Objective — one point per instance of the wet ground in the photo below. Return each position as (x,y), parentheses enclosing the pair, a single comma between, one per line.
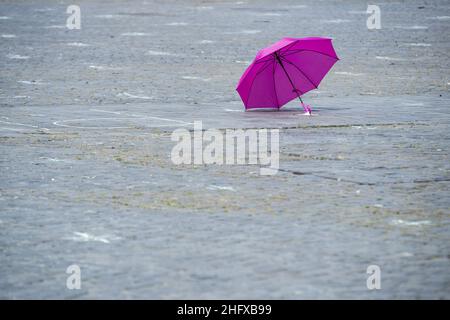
(86,176)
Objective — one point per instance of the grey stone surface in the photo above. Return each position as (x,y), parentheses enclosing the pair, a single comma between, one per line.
(87,179)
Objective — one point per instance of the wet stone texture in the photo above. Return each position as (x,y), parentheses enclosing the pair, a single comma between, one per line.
(86,178)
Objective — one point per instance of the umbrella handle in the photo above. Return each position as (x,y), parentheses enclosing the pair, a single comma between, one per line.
(307,108)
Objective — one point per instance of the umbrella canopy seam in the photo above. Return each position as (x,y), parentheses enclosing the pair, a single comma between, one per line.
(253,81)
(300,50)
(315,86)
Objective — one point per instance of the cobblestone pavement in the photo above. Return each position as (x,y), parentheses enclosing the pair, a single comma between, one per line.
(86,118)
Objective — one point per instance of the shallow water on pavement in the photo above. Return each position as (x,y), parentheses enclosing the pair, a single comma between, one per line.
(86,176)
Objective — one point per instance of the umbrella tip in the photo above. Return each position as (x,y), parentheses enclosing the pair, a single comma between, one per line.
(307,108)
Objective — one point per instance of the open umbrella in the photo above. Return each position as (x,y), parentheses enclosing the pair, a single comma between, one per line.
(286,70)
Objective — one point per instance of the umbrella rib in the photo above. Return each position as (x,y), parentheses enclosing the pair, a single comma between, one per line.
(289,52)
(284,59)
(284,49)
(277,57)
(274,85)
(254,78)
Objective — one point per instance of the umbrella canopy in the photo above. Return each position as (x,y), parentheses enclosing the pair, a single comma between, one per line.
(286,70)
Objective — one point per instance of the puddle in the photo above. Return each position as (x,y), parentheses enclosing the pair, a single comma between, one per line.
(84,237)
(345,73)
(160,53)
(31,82)
(104,68)
(226,188)
(416,44)
(77,44)
(389,58)
(17,57)
(401,222)
(129,95)
(244,32)
(411,27)
(337,21)
(177,24)
(134,34)
(195,78)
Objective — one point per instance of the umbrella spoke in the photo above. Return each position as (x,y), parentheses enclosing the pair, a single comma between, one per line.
(263,68)
(297,91)
(284,59)
(274,85)
(281,50)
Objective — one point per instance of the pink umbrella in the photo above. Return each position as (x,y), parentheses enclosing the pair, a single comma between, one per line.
(286,70)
